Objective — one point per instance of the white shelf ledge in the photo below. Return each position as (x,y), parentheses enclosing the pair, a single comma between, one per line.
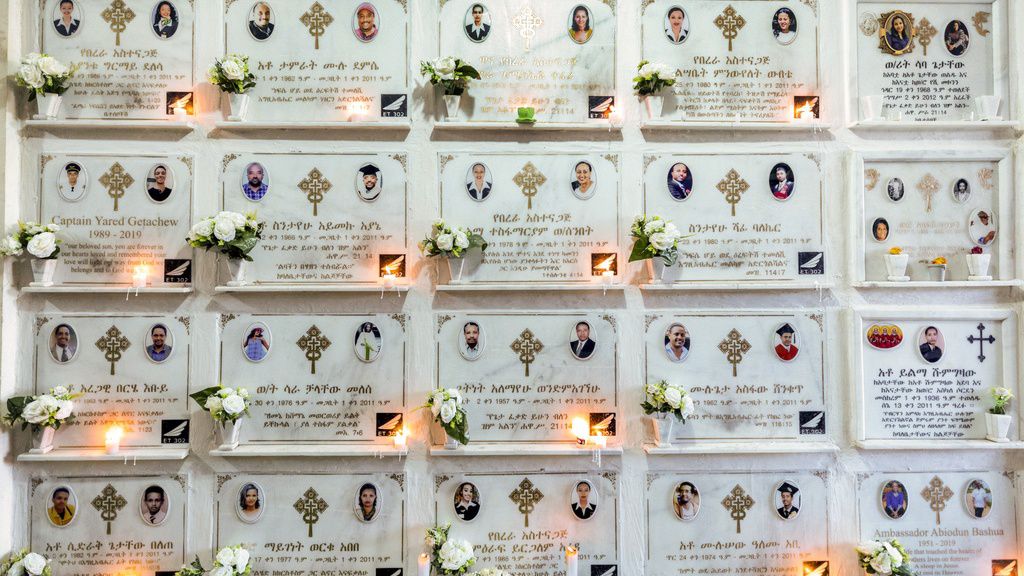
(547,287)
(743,447)
(581,126)
(924,125)
(947,284)
(709,286)
(938,445)
(106,289)
(264,288)
(510,449)
(794,126)
(298,450)
(84,125)
(126,455)
(246,126)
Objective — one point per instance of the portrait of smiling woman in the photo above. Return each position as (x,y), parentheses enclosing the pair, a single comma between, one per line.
(580,27)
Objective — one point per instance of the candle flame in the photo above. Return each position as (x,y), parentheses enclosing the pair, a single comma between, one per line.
(114,434)
(1008,571)
(819,571)
(808,106)
(605,264)
(387,269)
(571,551)
(580,428)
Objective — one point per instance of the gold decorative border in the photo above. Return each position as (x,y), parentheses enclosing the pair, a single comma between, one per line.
(40,322)
(820,319)
(225,318)
(187,161)
(44,158)
(648,160)
(649,319)
(442,320)
(445,159)
(222,479)
(399,478)
(228,159)
(402,159)
(985,177)
(614,159)
(440,479)
(870,179)
(186,321)
(400,318)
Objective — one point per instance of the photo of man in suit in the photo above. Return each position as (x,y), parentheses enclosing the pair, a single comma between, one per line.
(787,505)
(477,183)
(64,343)
(66,24)
(582,347)
(260,21)
(154,506)
(478,26)
(931,345)
(585,504)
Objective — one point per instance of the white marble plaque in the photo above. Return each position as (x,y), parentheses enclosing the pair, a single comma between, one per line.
(777,389)
(556,56)
(110,525)
(544,217)
(928,375)
(949,522)
(522,521)
(323,378)
(750,218)
(135,59)
(946,56)
(331,60)
(329,218)
(116,214)
(315,523)
(530,374)
(691,530)
(129,372)
(752,77)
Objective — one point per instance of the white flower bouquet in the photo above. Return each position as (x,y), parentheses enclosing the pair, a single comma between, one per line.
(193,569)
(231,74)
(451,73)
(652,77)
(887,558)
(39,240)
(449,557)
(655,237)
(450,241)
(449,410)
(664,398)
(1000,399)
(231,233)
(44,74)
(25,563)
(50,410)
(224,404)
(231,561)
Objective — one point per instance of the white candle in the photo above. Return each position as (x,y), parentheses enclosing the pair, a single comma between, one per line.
(388,280)
(571,561)
(400,440)
(581,430)
(424,565)
(807,115)
(607,277)
(180,113)
(600,440)
(113,440)
(141,277)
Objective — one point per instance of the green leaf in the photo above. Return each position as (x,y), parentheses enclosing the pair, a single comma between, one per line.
(201,396)
(640,250)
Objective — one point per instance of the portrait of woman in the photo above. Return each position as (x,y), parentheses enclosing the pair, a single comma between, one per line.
(880,229)
(477,23)
(250,503)
(978,498)
(680,181)
(61,506)
(677,25)
(931,344)
(957,38)
(583,185)
(961,190)
(677,342)
(781,182)
(784,26)
(894,499)
(261,21)
(369,182)
(256,343)
(165,20)
(72,182)
(368,342)
(478,181)
(63,343)
(584,500)
(686,501)
(897,33)
(367,502)
(982,227)
(895,189)
(365,23)
(580,28)
(67,18)
(467,501)
(159,183)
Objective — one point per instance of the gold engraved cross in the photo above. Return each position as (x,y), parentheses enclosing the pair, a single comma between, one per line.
(313,343)
(118,15)
(526,496)
(310,506)
(730,23)
(116,181)
(529,179)
(733,187)
(112,344)
(925,32)
(315,186)
(108,503)
(317,20)
(737,503)
(928,186)
(527,23)
(734,347)
(936,493)
(527,346)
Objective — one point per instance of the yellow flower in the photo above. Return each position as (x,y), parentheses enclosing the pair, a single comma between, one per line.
(895,250)
(939,260)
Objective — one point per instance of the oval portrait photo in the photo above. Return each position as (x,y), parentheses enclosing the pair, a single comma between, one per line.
(63,343)
(72,182)
(255,181)
(895,190)
(583,185)
(581,24)
(784,26)
(261,21)
(367,502)
(67,18)
(154,505)
(477,22)
(165,20)
(884,336)
(471,341)
(978,498)
(369,182)
(680,181)
(957,38)
(365,22)
(478,181)
(785,343)
(581,342)
(686,501)
(982,227)
(61,506)
(159,343)
(584,500)
(897,33)
(256,343)
(894,499)
(251,500)
(931,344)
(368,342)
(787,500)
(677,342)
(961,190)
(781,181)
(159,183)
(467,501)
(880,229)
(677,25)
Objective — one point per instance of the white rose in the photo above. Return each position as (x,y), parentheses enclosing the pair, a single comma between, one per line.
(241,560)
(454,394)
(32,58)
(445,67)
(39,410)
(895,557)
(234,405)
(673,396)
(243,393)
(34,563)
(236,218)
(224,229)
(51,66)
(461,240)
(59,391)
(232,70)
(435,403)
(448,411)
(1000,391)
(53,227)
(225,392)
(666,72)
(202,228)
(226,556)
(11,246)
(31,76)
(654,226)
(213,403)
(661,241)
(882,564)
(652,389)
(17,569)
(869,547)
(455,554)
(222,571)
(64,408)
(445,241)
(438,223)
(687,407)
(42,245)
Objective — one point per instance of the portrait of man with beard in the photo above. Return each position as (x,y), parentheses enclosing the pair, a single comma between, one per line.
(369,183)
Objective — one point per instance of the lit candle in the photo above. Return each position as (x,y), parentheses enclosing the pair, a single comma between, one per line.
(401,439)
(581,430)
(140,277)
(614,115)
(807,115)
(600,440)
(424,565)
(113,440)
(571,561)
(388,280)
(180,113)
(607,277)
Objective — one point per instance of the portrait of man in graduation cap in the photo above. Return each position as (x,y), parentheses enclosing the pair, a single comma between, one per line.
(786,349)
(368,183)
(71,183)
(787,500)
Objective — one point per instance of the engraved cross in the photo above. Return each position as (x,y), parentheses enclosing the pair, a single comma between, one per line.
(112,344)
(118,15)
(108,503)
(317,20)
(730,23)
(981,339)
(313,343)
(733,187)
(310,506)
(527,346)
(527,23)
(734,347)
(116,181)
(315,186)
(737,503)
(529,179)
(526,497)
(936,493)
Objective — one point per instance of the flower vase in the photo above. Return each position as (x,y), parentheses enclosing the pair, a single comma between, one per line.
(896,266)
(452,102)
(239,104)
(663,423)
(998,427)
(449,442)
(47,106)
(236,268)
(42,271)
(42,440)
(656,268)
(937,272)
(455,268)
(977,267)
(226,434)
(655,106)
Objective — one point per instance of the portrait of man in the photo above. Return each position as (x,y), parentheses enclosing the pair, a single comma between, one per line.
(785,348)
(784,26)
(686,501)
(250,503)
(63,503)
(880,229)
(367,503)
(63,343)
(680,181)
(787,500)
(884,337)
(368,342)
(978,498)
(158,184)
(931,344)
(580,29)
(165,20)
(677,342)
(677,25)
(957,38)
(366,26)
(781,181)
(467,501)
(478,23)
(159,348)
(256,344)
(471,341)
(72,182)
(982,226)
(894,499)
(478,182)
(369,183)
(583,186)
(154,505)
(897,33)
(895,189)
(582,347)
(261,21)
(961,190)
(68,18)
(584,500)
(255,183)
